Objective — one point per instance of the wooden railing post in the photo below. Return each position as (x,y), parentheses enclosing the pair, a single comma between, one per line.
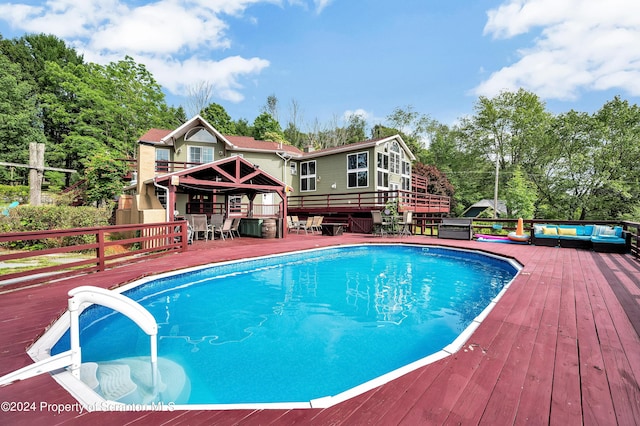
(100,250)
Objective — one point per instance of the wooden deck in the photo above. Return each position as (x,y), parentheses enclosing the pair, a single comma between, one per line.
(561,347)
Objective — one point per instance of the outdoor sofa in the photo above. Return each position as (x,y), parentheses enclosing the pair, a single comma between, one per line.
(600,238)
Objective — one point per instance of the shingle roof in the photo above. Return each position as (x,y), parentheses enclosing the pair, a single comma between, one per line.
(154,136)
(247,142)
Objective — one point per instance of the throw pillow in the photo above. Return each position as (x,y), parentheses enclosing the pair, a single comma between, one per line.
(567,231)
(550,231)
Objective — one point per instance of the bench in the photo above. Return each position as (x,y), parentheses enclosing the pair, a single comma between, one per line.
(455,229)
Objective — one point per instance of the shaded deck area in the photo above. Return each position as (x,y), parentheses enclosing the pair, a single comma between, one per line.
(562,347)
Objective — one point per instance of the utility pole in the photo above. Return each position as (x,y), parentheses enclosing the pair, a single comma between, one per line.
(36,172)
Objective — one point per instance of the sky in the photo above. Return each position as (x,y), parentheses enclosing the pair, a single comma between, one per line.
(333,58)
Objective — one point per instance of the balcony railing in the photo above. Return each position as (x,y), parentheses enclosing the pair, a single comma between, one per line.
(372,200)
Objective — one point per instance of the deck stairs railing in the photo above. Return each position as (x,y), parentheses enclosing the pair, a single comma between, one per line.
(72,359)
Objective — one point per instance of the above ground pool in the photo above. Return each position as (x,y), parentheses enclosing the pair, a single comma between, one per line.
(293,328)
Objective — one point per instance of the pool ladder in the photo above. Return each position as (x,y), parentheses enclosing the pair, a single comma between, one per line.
(73,357)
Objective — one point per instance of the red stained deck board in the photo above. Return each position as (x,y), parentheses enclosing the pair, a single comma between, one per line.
(623,387)
(597,403)
(388,403)
(502,405)
(24,315)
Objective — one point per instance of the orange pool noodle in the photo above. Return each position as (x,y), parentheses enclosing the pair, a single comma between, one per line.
(520,227)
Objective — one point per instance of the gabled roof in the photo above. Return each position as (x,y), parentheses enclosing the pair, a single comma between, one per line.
(249,144)
(196,121)
(360,145)
(154,136)
(476,209)
(232,175)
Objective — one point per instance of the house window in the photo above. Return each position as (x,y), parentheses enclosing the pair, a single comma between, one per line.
(200,155)
(162,160)
(406,176)
(383,170)
(394,153)
(294,168)
(199,134)
(358,170)
(308,176)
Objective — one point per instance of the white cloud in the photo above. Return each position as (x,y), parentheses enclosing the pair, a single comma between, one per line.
(321,5)
(164,27)
(223,75)
(581,45)
(175,39)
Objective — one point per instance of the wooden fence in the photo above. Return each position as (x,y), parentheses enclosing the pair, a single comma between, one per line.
(67,252)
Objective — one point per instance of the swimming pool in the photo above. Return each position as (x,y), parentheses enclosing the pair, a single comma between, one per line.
(304,327)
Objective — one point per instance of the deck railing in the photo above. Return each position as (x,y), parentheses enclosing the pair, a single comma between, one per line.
(371,200)
(101,248)
(427,225)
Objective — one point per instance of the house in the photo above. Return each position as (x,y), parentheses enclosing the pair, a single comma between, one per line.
(195,169)
(484,208)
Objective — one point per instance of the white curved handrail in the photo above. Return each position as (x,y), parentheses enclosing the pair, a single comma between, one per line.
(117,302)
(73,357)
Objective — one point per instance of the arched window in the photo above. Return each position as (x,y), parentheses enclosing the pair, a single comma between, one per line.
(199,134)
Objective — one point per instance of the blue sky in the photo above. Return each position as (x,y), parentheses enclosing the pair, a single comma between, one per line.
(338,57)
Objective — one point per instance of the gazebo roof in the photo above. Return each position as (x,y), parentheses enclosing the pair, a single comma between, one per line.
(233,175)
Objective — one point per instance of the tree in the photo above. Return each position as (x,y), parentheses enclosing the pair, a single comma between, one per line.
(243,128)
(263,124)
(508,130)
(19,123)
(103,174)
(520,196)
(292,133)
(356,125)
(271,107)
(199,95)
(218,117)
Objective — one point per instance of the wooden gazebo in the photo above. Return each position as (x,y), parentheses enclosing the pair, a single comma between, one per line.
(229,176)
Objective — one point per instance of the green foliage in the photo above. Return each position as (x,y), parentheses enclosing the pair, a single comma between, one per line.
(520,196)
(9,194)
(263,124)
(19,123)
(37,218)
(104,175)
(218,117)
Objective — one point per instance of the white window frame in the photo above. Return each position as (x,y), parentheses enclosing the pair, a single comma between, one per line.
(358,170)
(167,152)
(309,178)
(382,172)
(202,149)
(294,168)
(395,159)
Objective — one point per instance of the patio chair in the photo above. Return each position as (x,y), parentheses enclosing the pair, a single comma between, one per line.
(235,226)
(307,226)
(216,222)
(316,225)
(199,224)
(380,227)
(405,224)
(225,229)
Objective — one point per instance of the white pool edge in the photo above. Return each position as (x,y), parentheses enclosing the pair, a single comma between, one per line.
(91,401)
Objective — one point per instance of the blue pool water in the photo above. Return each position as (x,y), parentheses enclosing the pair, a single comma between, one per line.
(301,326)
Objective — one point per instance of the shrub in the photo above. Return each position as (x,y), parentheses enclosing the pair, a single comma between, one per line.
(39,218)
(10,193)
